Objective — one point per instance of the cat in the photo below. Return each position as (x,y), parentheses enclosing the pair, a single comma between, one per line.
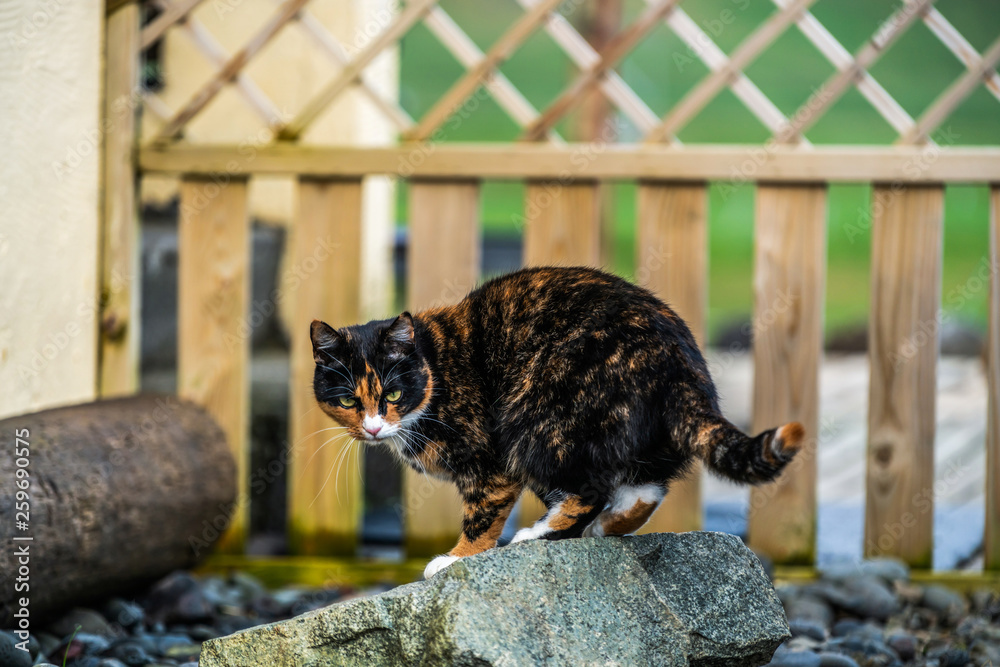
(568,382)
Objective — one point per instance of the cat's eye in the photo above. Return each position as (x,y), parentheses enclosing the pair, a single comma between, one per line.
(393,396)
(348,401)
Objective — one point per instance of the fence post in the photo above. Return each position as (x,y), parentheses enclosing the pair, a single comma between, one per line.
(903,349)
(120,239)
(562,226)
(325,484)
(213,341)
(443,263)
(790,272)
(991,540)
(672,260)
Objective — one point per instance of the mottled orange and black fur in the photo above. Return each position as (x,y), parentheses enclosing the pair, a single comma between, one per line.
(568,382)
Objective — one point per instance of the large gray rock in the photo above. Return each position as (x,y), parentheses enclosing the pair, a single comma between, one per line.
(694,598)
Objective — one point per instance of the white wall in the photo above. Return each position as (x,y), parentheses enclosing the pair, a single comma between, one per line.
(50,73)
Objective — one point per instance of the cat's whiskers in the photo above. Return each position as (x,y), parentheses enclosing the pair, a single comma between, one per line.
(320,448)
(334,370)
(334,467)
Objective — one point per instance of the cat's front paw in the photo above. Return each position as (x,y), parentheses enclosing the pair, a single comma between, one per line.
(437,565)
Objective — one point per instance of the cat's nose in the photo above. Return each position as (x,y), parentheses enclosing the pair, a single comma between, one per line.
(374,430)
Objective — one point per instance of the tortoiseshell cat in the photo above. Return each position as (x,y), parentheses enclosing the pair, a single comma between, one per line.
(569,382)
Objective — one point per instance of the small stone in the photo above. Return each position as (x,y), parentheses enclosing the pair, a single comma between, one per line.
(112,662)
(785,658)
(183,652)
(92,644)
(805,628)
(836,660)
(131,653)
(809,608)
(81,620)
(903,643)
(164,643)
(862,649)
(250,589)
(48,642)
(946,603)
(984,653)
(10,654)
(802,644)
(889,570)
(870,598)
(203,633)
(954,657)
(845,627)
(129,615)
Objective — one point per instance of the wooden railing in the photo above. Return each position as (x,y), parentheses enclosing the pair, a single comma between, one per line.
(561,226)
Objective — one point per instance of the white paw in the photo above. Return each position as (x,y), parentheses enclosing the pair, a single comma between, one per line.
(594,530)
(532,533)
(437,565)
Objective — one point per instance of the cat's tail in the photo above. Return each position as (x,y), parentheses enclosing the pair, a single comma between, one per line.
(749,460)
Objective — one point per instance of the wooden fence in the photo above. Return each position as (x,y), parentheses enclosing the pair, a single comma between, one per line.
(561,226)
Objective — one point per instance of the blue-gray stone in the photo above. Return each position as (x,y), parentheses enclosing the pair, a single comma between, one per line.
(10,654)
(661,599)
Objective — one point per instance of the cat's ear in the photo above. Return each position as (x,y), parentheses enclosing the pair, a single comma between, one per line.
(398,338)
(325,340)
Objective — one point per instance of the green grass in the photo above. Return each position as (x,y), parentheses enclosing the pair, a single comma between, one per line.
(661,70)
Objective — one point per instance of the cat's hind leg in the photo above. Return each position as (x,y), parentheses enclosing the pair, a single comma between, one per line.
(567,516)
(630,508)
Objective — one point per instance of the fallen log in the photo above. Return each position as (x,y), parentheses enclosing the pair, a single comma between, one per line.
(121,492)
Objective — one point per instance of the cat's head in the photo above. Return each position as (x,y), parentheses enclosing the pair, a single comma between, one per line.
(370,378)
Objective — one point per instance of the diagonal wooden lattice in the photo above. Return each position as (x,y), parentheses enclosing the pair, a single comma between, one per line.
(596,70)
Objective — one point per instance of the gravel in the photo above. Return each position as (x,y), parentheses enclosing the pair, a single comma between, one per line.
(166,625)
(871,615)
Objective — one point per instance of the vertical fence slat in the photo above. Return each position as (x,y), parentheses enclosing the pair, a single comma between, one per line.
(903,348)
(992,536)
(443,264)
(790,272)
(672,260)
(119,330)
(324,482)
(562,226)
(213,297)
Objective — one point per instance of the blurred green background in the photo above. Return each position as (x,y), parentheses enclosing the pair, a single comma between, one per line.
(915,70)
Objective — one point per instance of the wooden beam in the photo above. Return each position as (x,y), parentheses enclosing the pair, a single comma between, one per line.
(744,54)
(213,302)
(790,271)
(786,164)
(838,83)
(956,93)
(672,260)
(505,45)
(175,13)
(120,271)
(412,13)
(325,484)
(443,263)
(991,540)
(562,226)
(616,50)
(903,349)
(230,70)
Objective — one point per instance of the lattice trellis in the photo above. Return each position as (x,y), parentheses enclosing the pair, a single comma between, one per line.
(596,70)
